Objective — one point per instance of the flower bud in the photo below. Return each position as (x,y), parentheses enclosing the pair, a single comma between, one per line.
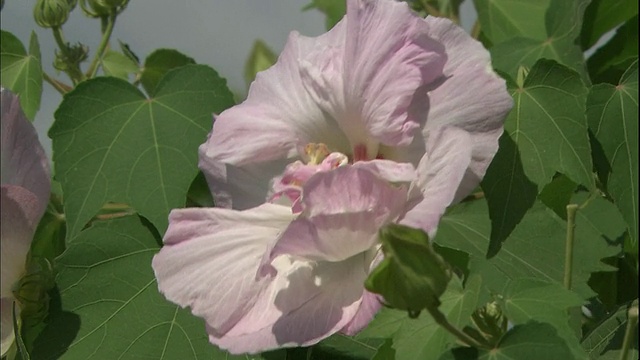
(51,13)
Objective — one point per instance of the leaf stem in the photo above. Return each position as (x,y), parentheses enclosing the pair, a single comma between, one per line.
(442,321)
(106,35)
(568,251)
(58,85)
(632,320)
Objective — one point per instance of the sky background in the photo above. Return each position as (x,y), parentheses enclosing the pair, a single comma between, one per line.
(217,33)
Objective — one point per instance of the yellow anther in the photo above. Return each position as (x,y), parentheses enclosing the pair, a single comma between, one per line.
(316,153)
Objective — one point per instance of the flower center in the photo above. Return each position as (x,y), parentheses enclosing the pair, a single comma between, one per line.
(287,189)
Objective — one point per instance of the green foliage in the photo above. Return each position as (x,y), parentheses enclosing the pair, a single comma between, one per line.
(113,144)
(613,118)
(119,65)
(604,342)
(158,64)
(603,16)
(333,9)
(612,60)
(562,21)
(538,239)
(422,338)
(412,275)
(21,71)
(531,341)
(502,20)
(525,299)
(260,58)
(548,124)
(107,305)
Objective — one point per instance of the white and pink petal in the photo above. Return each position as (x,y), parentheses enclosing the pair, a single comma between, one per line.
(210,260)
(343,211)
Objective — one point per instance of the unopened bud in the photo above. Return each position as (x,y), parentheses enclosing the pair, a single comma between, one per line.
(51,13)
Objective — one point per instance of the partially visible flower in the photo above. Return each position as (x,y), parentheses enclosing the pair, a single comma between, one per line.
(25,187)
(386,118)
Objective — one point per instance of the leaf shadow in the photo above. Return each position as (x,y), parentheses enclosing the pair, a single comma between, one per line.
(509,192)
(61,329)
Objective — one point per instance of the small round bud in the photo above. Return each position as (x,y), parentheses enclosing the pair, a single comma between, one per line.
(51,13)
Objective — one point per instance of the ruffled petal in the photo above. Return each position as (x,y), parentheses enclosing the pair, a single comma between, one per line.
(6,327)
(313,301)
(343,211)
(210,260)
(371,303)
(23,160)
(389,170)
(277,117)
(440,175)
(18,208)
(472,97)
(389,54)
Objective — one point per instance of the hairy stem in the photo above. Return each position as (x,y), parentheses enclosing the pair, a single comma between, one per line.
(442,321)
(568,251)
(61,87)
(628,335)
(106,35)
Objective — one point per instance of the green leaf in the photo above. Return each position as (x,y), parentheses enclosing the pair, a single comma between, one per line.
(605,341)
(557,195)
(261,58)
(21,72)
(118,65)
(603,16)
(535,248)
(422,338)
(508,190)
(549,125)
(158,64)
(533,299)
(563,21)
(412,275)
(333,9)
(385,352)
(613,118)
(341,346)
(111,143)
(502,20)
(610,61)
(531,341)
(109,306)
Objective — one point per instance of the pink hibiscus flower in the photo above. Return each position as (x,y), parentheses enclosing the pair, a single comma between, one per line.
(26,185)
(386,118)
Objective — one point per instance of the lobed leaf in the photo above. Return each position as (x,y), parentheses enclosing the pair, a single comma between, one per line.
(612,112)
(602,16)
(21,71)
(108,305)
(535,249)
(563,20)
(549,125)
(113,144)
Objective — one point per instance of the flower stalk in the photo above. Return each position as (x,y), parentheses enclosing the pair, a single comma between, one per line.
(572,209)
(632,320)
(445,324)
(106,35)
